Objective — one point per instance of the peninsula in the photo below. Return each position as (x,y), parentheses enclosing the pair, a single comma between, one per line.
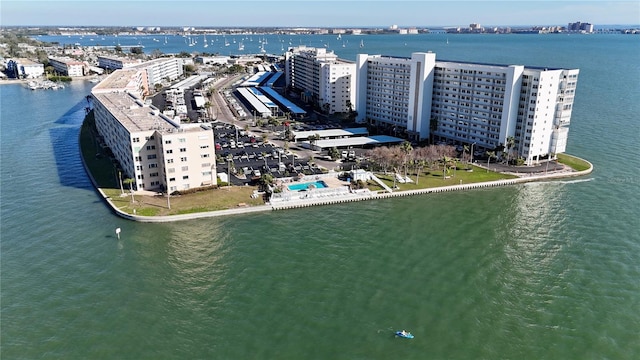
(259,133)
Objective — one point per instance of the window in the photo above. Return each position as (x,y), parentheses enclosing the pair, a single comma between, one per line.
(185,177)
(138,158)
(183,149)
(183,159)
(185,168)
(153,165)
(167,142)
(169,151)
(171,170)
(204,155)
(135,140)
(150,157)
(206,164)
(182,140)
(151,147)
(155,174)
(169,161)
(172,179)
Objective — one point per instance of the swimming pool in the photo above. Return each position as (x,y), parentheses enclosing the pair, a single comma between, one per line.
(307,186)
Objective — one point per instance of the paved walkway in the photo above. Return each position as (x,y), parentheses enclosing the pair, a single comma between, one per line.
(543,167)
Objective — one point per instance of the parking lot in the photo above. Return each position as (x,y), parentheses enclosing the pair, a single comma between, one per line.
(250,157)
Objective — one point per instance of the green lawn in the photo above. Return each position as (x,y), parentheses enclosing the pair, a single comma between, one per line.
(431,179)
(104,172)
(573,162)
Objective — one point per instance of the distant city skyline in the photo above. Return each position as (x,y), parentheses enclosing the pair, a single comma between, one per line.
(316,13)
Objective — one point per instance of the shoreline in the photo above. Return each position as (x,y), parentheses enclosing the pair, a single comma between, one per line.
(26,81)
(338,200)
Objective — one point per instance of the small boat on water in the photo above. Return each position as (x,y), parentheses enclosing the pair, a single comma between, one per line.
(46,84)
(404,334)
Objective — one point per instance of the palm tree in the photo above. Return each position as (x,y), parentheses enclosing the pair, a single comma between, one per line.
(511,141)
(130,182)
(406,150)
(465,150)
(265,181)
(420,163)
(490,154)
(445,166)
(313,139)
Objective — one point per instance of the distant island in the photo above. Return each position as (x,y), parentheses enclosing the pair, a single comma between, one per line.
(473,28)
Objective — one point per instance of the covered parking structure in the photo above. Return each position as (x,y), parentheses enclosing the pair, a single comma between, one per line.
(291,107)
(272,80)
(359,141)
(258,106)
(257,78)
(331,133)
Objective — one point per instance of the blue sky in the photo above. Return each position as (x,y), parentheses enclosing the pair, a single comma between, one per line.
(315,13)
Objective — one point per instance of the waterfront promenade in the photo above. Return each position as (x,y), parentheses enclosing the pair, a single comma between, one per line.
(339,192)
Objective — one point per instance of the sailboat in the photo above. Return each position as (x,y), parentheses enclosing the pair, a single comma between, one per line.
(205,41)
(361,43)
(240,46)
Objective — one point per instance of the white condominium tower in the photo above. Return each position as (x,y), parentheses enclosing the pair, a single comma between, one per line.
(321,78)
(485,105)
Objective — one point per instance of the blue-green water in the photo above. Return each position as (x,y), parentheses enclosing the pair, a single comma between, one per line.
(543,270)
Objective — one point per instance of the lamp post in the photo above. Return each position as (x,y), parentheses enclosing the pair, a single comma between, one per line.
(472,153)
(229,158)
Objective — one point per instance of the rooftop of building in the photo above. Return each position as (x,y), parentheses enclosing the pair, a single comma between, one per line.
(119,79)
(136,116)
(66,60)
(155,62)
(118,58)
(25,61)
(440,61)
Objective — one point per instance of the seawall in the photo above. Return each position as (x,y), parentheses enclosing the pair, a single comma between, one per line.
(328,201)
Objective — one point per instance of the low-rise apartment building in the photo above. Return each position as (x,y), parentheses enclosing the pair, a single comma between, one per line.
(159,153)
(114,62)
(162,70)
(24,68)
(68,66)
